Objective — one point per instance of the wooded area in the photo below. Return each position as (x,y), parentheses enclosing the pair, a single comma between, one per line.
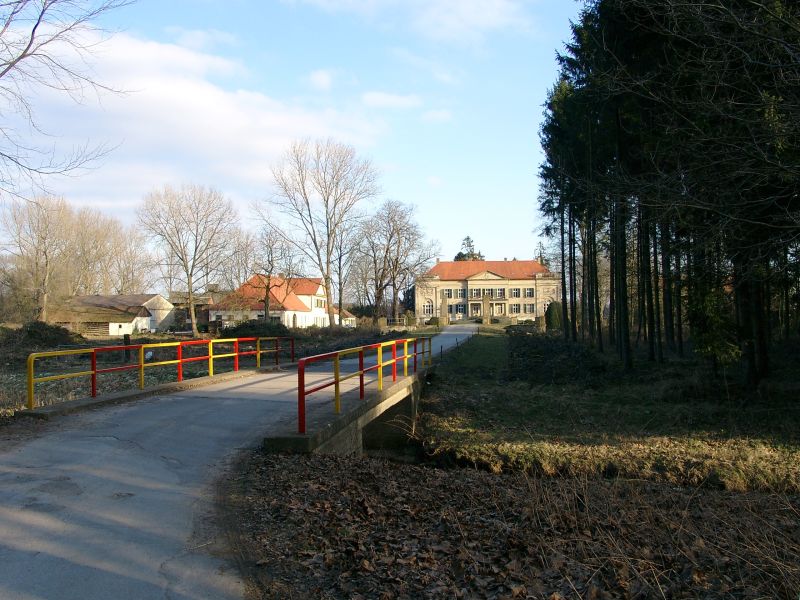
(670,177)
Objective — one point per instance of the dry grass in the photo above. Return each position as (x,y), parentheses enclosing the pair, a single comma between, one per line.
(659,425)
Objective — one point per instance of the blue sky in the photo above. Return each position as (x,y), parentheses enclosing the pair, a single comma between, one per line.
(445,96)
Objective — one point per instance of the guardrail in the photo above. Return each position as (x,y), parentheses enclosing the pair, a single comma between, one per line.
(143,356)
(336,357)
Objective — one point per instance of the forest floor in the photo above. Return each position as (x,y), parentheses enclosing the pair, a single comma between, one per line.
(546,473)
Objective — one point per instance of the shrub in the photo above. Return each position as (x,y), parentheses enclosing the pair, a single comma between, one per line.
(433,321)
(256,328)
(552,316)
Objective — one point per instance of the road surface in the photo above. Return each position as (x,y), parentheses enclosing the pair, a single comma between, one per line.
(118,502)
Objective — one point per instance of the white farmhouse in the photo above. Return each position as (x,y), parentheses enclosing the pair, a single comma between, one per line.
(293,301)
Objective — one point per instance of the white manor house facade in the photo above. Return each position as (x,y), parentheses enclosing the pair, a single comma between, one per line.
(518,289)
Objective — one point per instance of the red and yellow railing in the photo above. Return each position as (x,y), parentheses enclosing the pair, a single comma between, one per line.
(259,346)
(421,347)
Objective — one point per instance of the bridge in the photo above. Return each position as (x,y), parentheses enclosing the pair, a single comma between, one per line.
(119,502)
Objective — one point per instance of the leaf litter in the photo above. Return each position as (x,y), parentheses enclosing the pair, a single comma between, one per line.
(344,527)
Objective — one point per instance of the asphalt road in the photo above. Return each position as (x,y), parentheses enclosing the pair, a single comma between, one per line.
(118,502)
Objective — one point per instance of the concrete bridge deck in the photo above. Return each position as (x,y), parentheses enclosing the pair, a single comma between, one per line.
(118,502)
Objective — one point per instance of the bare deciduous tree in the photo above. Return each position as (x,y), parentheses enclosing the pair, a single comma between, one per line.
(393,251)
(51,251)
(37,237)
(44,43)
(240,260)
(318,187)
(192,227)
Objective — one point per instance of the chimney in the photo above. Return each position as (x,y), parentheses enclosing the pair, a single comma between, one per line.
(505,258)
(437,260)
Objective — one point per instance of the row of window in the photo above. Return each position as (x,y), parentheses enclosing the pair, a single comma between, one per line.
(499,293)
(461,309)
(320,303)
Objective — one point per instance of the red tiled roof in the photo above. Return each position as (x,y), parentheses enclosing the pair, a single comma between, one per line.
(304,286)
(509,269)
(282,295)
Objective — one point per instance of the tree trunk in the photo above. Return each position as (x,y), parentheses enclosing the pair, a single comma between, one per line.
(612,309)
(190,306)
(666,273)
(596,285)
(657,298)
(647,278)
(329,299)
(679,303)
(572,282)
(621,271)
(564,314)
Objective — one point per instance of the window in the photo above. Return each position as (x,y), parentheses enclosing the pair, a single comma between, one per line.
(475,293)
(461,309)
(427,308)
(448,293)
(501,293)
(529,292)
(461,293)
(530,308)
(515,292)
(488,292)
(514,309)
(450,309)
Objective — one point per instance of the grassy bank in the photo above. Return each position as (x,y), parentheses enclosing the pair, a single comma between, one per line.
(542,406)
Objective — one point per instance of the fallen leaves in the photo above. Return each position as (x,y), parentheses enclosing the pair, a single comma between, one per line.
(331,527)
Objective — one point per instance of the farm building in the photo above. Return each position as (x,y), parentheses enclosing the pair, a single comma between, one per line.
(115,314)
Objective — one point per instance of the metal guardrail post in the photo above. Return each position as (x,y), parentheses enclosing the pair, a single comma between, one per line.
(210,358)
(394,361)
(380,368)
(405,357)
(180,361)
(258,353)
(337,405)
(415,355)
(94,373)
(236,355)
(301,397)
(361,373)
(141,367)
(31,360)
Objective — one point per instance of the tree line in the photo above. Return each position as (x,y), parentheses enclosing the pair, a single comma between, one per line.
(324,219)
(670,178)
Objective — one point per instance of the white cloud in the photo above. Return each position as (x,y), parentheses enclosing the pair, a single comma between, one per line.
(437,116)
(321,79)
(446,20)
(439,72)
(386,100)
(468,20)
(176,125)
(202,39)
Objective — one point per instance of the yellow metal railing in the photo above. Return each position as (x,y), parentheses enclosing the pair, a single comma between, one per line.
(262,346)
(426,359)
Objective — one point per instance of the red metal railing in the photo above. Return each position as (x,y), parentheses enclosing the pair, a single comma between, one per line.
(142,358)
(380,364)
